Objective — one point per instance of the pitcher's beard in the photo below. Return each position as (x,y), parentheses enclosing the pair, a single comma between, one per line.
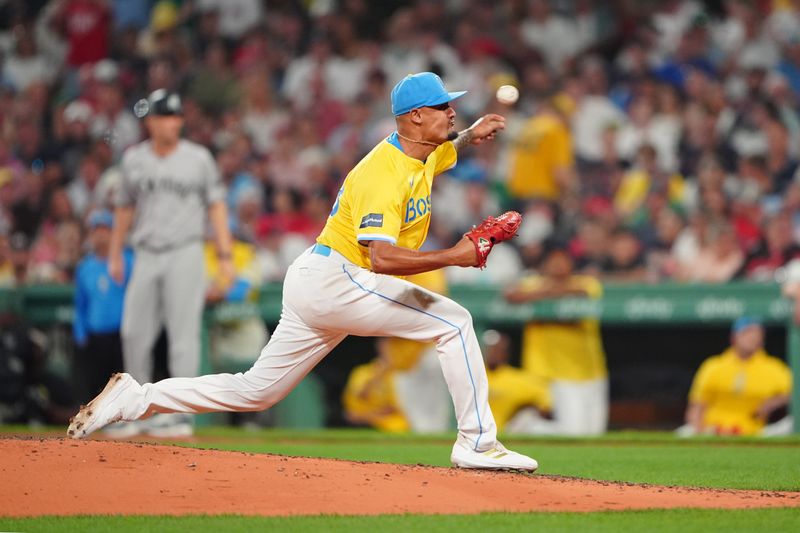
(452,136)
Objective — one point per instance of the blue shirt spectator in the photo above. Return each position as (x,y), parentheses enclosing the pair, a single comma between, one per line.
(132,13)
(98,298)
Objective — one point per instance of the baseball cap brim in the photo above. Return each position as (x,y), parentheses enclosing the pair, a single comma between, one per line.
(441,99)
(438,100)
(450,97)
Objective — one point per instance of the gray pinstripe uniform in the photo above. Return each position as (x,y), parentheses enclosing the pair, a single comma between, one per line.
(170,196)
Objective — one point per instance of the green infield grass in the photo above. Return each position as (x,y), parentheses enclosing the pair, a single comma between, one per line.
(683,520)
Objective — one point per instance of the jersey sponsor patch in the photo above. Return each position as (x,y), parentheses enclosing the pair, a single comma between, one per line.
(373,220)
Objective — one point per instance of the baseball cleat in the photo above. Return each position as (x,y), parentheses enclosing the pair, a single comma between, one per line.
(101,411)
(496,458)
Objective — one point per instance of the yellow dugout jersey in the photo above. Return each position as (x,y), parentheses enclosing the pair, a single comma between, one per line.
(732,389)
(571,351)
(369,397)
(511,389)
(387,196)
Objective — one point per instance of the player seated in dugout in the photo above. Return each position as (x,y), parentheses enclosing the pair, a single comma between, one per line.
(519,400)
(739,391)
(370,398)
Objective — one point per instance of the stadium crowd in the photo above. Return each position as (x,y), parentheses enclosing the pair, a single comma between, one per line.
(659,139)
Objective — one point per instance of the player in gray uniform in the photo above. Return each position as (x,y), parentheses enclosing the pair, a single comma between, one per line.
(168,185)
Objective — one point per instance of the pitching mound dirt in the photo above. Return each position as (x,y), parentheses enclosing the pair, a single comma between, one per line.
(61,477)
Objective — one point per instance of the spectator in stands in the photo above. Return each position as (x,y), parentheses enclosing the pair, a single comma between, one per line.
(325,72)
(236,17)
(518,398)
(779,157)
(213,85)
(626,261)
(82,191)
(644,130)
(25,66)
(131,13)
(591,247)
(567,355)
(546,31)
(98,312)
(595,112)
(20,258)
(739,391)
(32,149)
(662,257)
(85,25)
(72,137)
(47,248)
(646,189)
(248,209)
(541,158)
(462,196)
(774,251)
(6,266)
(718,260)
(599,179)
(112,120)
(68,251)
(262,116)
(7,194)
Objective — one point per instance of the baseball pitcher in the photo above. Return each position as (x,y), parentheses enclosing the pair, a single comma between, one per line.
(348,283)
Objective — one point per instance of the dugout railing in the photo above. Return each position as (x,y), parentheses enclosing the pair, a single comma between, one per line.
(668,304)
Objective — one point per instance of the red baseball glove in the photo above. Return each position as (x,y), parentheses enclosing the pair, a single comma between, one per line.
(491,231)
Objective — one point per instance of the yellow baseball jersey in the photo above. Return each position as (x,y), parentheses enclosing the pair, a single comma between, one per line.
(387,196)
(570,351)
(369,397)
(511,389)
(542,147)
(732,389)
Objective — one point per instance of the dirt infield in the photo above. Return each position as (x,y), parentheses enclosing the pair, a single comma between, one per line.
(61,477)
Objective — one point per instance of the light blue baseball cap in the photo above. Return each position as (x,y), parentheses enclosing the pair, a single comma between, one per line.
(744,322)
(420,90)
(101,218)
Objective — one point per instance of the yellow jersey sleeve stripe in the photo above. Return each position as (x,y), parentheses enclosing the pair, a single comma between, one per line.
(376,237)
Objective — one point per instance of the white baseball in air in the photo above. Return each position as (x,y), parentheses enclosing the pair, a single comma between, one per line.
(507,94)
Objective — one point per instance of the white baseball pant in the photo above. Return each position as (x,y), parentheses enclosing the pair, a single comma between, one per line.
(326,298)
